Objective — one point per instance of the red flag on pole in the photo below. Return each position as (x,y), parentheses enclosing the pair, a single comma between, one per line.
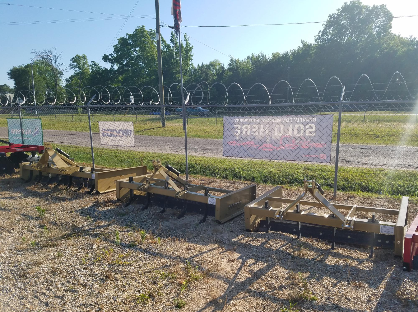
(176,12)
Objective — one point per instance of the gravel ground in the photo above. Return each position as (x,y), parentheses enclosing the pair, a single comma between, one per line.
(377,156)
(62,250)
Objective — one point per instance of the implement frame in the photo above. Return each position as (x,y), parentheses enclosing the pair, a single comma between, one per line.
(264,214)
(167,188)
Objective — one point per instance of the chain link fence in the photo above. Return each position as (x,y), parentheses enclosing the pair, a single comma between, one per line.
(378,123)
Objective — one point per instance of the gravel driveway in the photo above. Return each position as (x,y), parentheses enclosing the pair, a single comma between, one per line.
(378,156)
(66,250)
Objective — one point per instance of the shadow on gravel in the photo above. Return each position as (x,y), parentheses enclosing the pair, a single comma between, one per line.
(308,261)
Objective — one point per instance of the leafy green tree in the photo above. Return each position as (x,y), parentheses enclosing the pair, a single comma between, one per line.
(134,59)
(4,88)
(352,39)
(239,71)
(51,60)
(101,76)
(171,62)
(212,72)
(43,79)
(80,78)
(302,64)
(357,23)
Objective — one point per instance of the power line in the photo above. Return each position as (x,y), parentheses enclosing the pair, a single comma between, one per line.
(126,17)
(111,16)
(71,10)
(123,25)
(271,24)
(70,20)
(166,25)
(249,25)
(153,17)
(402,16)
(229,55)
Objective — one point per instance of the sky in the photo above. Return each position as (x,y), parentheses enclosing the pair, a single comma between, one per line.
(92,27)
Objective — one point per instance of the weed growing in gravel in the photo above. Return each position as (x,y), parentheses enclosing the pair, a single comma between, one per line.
(104,254)
(119,260)
(109,256)
(117,238)
(167,275)
(143,298)
(41,211)
(33,243)
(143,234)
(299,289)
(193,273)
(301,251)
(291,308)
(179,303)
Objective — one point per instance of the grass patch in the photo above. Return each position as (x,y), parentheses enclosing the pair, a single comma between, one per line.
(350,179)
(211,128)
(41,211)
(383,128)
(179,303)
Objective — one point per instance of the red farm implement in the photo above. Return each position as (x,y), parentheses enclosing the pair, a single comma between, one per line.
(17,154)
(410,254)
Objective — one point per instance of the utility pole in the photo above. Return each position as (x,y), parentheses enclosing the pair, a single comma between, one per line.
(160,63)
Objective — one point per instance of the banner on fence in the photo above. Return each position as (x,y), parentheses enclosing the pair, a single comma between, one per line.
(299,138)
(116,133)
(28,132)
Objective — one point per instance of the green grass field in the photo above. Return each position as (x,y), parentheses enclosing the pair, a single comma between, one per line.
(356,128)
(359,180)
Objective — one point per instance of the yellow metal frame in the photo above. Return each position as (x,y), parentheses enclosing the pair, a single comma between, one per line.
(53,163)
(164,182)
(104,179)
(270,205)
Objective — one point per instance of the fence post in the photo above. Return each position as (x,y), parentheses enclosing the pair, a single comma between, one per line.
(21,123)
(337,151)
(183,105)
(91,134)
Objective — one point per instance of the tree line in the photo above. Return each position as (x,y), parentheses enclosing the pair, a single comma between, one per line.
(355,40)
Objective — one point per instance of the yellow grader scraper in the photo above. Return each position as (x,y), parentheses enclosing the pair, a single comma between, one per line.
(273,212)
(167,189)
(57,166)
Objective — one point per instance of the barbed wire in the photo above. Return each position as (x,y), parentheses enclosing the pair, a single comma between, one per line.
(218,93)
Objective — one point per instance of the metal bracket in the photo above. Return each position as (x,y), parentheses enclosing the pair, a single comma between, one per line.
(316,191)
